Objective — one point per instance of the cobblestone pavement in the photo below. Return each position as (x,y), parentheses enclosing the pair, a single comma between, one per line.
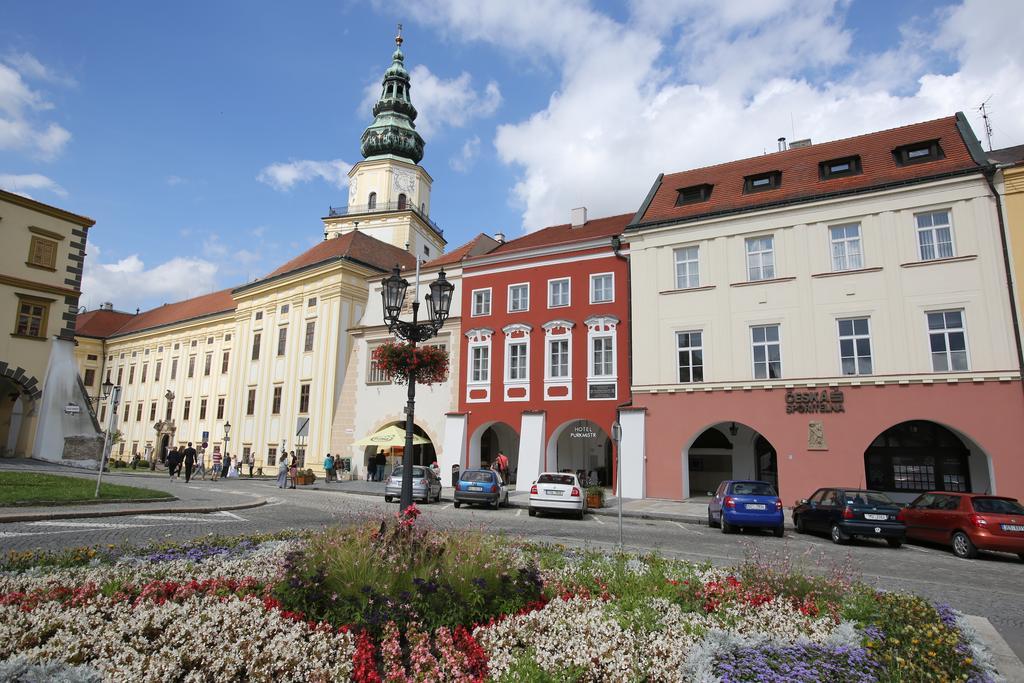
(990,586)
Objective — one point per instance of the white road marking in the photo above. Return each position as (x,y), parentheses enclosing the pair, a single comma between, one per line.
(8,534)
(519,512)
(445,507)
(93,525)
(595,518)
(691,528)
(177,518)
(914,547)
(225,513)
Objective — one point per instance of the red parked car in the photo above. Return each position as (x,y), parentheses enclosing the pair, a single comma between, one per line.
(968,522)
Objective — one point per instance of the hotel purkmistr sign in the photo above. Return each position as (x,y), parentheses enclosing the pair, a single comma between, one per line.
(814,401)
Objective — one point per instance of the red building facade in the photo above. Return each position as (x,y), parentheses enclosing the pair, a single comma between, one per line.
(545,352)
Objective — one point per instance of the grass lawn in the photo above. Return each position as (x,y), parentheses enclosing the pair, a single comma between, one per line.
(32,488)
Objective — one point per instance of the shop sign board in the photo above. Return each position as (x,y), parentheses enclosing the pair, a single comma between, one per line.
(815,401)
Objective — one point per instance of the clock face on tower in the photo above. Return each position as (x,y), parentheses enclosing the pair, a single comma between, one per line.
(404,181)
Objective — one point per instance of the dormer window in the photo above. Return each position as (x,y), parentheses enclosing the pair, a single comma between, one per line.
(918,152)
(762,181)
(839,168)
(694,194)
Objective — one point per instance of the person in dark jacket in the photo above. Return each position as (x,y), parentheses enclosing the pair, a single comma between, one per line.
(226,465)
(173,461)
(190,461)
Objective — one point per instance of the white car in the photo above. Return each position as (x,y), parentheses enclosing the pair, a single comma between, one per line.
(557,492)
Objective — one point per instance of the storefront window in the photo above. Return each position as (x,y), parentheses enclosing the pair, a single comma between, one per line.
(917,456)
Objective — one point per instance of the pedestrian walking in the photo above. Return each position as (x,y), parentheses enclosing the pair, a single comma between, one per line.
(172,461)
(226,465)
(293,470)
(252,461)
(282,471)
(381,460)
(190,461)
(502,462)
(217,459)
(328,468)
(200,463)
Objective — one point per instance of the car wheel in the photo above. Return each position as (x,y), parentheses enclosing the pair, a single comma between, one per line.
(711,521)
(579,515)
(894,542)
(1020,556)
(779,531)
(726,527)
(532,512)
(798,522)
(838,537)
(496,504)
(388,499)
(457,505)
(963,546)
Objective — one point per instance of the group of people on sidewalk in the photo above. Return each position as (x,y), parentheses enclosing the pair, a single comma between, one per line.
(194,462)
(287,470)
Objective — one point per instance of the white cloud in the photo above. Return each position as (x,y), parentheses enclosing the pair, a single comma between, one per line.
(684,83)
(22,184)
(20,110)
(466,157)
(30,67)
(283,176)
(174,180)
(440,102)
(129,283)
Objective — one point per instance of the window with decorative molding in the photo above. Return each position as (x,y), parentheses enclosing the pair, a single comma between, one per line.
(304,399)
(518,298)
(602,288)
(33,314)
(687,262)
(42,253)
(690,348)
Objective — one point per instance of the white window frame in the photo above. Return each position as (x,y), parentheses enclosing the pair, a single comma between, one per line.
(847,257)
(486,367)
(593,279)
(473,302)
(523,341)
(765,344)
(568,292)
(761,253)
(854,337)
(373,375)
(691,266)
(513,286)
(945,331)
(933,230)
(690,349)
(548,366)
(593,337)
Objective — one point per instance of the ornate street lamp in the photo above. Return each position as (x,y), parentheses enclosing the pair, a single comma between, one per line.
(114,394)
(439,301)
(227,431)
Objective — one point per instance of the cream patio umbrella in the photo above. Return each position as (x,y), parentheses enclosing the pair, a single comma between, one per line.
(390,437)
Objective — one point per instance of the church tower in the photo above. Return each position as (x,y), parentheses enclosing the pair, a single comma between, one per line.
(389,192)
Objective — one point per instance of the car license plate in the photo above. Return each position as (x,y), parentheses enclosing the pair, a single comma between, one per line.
(476,488)
(553,492)
(756,507)
(876,517)
(1012,527)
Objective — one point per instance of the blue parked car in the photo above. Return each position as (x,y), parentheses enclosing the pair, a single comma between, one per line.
(482,487)
(746,504)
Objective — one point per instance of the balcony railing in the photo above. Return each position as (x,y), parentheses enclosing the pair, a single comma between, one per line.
(383,207)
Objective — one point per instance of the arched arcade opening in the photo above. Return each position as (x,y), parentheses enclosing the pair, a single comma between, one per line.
(727,450)
(388,453)
(582,447)
(490,439)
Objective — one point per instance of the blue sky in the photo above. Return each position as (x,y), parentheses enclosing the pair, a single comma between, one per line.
(208,138)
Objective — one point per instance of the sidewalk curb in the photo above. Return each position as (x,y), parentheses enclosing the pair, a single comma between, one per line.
(41,516)
(1007,663)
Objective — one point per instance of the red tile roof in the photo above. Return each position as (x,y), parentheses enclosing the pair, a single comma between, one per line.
(197,307)
(101,323)
(565,233)
(481,244)
(355,245)
(800,172)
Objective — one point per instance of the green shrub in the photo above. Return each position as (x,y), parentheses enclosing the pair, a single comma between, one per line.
(396,570)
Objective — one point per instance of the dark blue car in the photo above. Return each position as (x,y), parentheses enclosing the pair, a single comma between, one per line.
(746,504)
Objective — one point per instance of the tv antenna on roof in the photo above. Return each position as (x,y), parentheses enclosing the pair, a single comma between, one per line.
(988,123)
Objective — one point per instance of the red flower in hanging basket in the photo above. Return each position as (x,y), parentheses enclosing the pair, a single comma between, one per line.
(425,364)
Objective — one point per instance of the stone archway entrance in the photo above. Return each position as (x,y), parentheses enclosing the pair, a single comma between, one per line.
(727,450)
(919,455)
(19,395)
(165,430)
(582,447)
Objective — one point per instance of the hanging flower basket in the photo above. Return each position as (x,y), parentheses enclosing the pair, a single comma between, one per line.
(427,364)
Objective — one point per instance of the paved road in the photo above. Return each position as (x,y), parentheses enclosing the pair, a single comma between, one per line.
(991,586)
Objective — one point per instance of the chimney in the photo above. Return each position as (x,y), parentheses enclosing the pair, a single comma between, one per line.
(500,237)
(782,144)
(796,144)
(579,217)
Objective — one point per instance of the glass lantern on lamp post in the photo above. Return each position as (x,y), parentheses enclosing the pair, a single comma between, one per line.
(113,393)
(227,432)
(439,302)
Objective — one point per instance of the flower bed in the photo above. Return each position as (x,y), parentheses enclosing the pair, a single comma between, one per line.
(400,601)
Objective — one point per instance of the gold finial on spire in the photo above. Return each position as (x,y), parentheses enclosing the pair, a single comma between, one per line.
(398,38)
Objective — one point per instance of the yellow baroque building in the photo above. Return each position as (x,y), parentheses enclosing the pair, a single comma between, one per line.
(284,360)
(44,412)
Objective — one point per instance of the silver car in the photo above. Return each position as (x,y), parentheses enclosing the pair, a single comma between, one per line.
(426,486)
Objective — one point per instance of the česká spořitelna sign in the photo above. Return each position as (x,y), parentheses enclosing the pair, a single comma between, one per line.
(814,401)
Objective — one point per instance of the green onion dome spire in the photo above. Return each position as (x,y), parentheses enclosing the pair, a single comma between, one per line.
(393,131)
